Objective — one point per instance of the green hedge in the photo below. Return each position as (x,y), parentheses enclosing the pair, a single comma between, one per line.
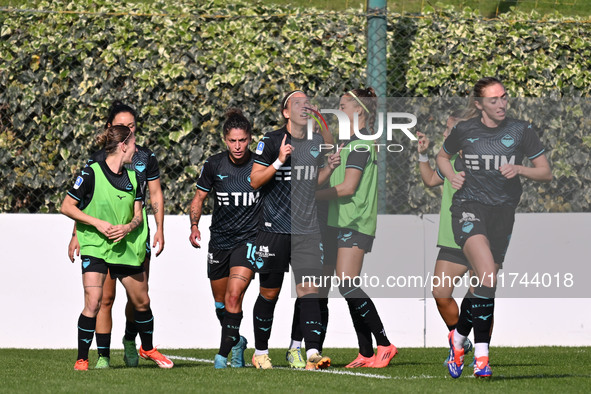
(183,64)
(443,54)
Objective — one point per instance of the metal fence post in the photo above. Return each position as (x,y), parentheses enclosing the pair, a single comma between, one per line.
(376,78)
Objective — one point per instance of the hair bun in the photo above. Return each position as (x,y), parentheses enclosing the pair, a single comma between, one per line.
(232,112)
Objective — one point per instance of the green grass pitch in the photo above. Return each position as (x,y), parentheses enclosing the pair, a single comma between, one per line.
(527,369)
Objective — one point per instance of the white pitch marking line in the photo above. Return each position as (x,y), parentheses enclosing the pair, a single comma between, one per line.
(329,371)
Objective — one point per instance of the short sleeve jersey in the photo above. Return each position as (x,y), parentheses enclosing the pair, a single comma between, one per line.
(237,206)
(485,150)
(83,189)
(289,205)
(144,163)
(358,211)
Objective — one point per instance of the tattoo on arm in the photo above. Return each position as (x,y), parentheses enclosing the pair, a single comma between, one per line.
(135,222)
(155,208)
(195,214)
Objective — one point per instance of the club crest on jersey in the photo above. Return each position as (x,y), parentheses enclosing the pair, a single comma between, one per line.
(314,151)
(260,147)
(507,140)
(78,182)
(140,166)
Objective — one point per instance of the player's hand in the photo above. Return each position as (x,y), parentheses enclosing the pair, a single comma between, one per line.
(334,159)
(458,180)
(423,142)
(509,170)
(158,240)
(104,227)
(285,150)
(195,236)
(73,248)
(118,232)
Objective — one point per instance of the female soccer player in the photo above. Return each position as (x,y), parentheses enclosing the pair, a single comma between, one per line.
(289,168)
(483,209)
(145,164)
(352,218)
(106,203)
(451,262)
(231,254)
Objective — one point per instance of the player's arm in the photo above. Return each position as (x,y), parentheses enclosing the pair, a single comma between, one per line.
(70,209)
(262,174)
(428,175)
(540,171)
(157,201)
(445,167)
(534,150)
(449,148)
(74,246)
(119,231)
(344,189)
(334,160)
(195,215)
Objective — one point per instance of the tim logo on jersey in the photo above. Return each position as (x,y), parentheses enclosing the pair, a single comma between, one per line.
(487,162)
(238,199)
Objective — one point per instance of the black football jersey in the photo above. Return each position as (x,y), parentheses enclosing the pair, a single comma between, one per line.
(484,151)
(237,205)
(289,197)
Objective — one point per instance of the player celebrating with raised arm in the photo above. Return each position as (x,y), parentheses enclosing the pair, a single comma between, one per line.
(352,221)
(483,209)
(231,254)
(106,203)
(145,164)
(451,262)
(287,168)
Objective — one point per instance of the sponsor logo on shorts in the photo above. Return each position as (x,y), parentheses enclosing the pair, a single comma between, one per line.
(210,259)
(467,219)
(85,263)
(264,252)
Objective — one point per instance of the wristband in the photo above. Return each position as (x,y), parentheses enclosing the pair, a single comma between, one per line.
(194,224)
(423,157)
(277,164)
